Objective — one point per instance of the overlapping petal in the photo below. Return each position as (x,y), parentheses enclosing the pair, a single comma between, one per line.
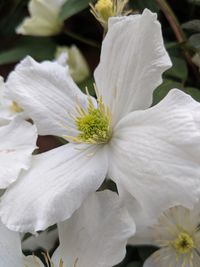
(18,141)
(54,187)
(10,248)
(155,154)
(47,94)
(133,59)
(96,234)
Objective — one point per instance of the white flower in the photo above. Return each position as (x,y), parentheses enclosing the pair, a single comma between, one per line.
(153,153)
(18,140)
(11,253)
(176,233)
(43,20)
(73,58)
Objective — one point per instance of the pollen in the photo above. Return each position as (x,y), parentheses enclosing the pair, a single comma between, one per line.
(104,8)
(183,243)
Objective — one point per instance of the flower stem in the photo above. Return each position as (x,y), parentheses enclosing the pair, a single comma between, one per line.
(81,39)
(179,33)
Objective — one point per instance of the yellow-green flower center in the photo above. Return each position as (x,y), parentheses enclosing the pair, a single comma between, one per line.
(104,8)
(183,243)
(94,124)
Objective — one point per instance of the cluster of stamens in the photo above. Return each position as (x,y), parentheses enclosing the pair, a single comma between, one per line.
(94,124)
(104,9)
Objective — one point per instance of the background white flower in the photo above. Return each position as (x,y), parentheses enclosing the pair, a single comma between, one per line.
(176,232)
(74,59)
(43,20)
(140,149)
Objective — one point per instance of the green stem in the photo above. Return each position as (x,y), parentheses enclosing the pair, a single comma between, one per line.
(81,39)
(176,27)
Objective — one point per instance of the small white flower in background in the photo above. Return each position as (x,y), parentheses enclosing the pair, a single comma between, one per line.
(8,108)
(153,153)
(74,59)
(196,60)
(18,141)
(43,20)
(11,252)
(176,232)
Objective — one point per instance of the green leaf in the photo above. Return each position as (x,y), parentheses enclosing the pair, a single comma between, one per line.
(72,7)
(146,252)
(194,41)
(194,2)
(193,25)
(38,47)
(179,69)
(161,91)
(193,92)
(134,264)
(141,5)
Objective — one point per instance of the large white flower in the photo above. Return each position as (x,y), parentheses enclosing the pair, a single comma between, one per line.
(43,20)
(176,232)
(153,153)
(18,140)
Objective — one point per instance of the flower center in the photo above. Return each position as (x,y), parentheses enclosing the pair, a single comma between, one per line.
(104,8)
(93,123)
(183,243)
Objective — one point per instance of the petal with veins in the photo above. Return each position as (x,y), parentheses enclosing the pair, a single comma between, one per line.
(54,187)
(47,94)
(133,59)
(155,154)
(98,239)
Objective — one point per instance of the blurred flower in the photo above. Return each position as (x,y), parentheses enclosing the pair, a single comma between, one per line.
(11,252)
(73,58)
(43,20)
(196,60)
(104,9)
(153,153)
(176,232)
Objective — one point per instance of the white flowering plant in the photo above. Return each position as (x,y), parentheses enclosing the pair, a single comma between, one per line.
(100,133)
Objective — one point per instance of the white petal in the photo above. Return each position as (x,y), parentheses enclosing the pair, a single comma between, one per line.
(133,59)
(32,261)
(47,94)
(10,248)
(45,240)
(144,234)
(156,154)
(97,233)
(18,140)
(54,187)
